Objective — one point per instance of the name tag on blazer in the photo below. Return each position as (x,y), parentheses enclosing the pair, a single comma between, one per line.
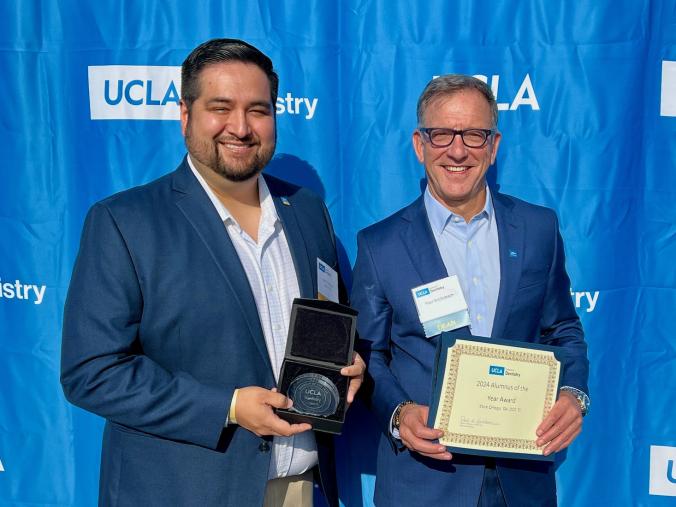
(327,282)
(441,306)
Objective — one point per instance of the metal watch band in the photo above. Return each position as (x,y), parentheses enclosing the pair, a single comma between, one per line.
(581,397)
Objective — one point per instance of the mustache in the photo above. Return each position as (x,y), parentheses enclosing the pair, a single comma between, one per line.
(248,139)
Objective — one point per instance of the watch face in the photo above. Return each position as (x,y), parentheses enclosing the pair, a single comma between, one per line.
(314,394)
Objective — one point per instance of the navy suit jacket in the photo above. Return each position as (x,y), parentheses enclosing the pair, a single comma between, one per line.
(534,305)
(160,328)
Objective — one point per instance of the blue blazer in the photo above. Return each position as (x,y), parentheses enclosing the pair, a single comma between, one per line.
(160,328)
(534,305)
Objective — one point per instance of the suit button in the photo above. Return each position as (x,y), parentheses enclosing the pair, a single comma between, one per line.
(264,446)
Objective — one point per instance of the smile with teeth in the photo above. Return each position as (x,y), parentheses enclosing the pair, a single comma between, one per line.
(456,168)
(237,147)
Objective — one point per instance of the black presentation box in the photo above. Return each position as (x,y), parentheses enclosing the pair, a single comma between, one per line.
(320,343)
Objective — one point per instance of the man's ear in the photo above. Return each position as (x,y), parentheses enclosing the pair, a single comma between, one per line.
(495,145)
(418,146)
(184,116)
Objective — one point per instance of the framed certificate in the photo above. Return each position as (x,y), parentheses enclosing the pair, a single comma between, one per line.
(489,396)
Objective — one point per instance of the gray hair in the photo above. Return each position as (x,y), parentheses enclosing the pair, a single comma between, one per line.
(450,84)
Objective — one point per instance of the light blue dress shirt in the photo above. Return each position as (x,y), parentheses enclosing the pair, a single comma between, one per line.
(471,251)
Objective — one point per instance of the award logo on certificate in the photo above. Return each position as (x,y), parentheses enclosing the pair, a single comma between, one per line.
(489,396)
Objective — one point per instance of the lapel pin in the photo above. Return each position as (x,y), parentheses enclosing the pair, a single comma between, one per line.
(285,201)
(513,254)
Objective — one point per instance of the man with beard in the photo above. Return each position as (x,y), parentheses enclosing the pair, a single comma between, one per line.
(177,313)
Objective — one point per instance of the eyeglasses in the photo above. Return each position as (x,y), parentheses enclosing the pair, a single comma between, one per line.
(441,138)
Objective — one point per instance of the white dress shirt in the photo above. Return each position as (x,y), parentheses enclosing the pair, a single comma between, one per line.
(272,276)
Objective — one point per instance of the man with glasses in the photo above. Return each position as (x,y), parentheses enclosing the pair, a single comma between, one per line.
(508,257)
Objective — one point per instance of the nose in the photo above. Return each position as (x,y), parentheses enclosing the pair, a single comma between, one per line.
(238,124)
(457,149)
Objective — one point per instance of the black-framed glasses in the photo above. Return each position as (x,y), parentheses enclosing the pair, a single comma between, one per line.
(441,137)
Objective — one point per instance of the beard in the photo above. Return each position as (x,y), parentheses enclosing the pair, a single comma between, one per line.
(206,152)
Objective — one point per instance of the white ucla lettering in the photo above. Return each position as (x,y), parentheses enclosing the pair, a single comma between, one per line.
(525,95)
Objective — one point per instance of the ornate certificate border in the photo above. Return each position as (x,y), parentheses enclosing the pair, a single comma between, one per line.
(498,352)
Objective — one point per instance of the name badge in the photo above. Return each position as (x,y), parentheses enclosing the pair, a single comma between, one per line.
(327,282)
(441,306)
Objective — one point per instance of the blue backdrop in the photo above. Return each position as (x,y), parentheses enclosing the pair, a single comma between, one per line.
(587,94)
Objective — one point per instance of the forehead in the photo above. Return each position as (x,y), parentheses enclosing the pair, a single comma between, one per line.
(462,109)
(234,81)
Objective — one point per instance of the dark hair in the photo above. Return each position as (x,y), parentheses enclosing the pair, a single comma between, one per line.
(453,83)
(223,50)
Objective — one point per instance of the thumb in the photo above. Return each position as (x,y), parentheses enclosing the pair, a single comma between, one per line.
(278,400)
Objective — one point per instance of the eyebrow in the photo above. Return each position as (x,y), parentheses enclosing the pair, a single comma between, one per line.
(227,101)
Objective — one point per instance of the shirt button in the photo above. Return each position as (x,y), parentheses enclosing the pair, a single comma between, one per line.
(264,446)
(469,243)
(475,280)
(479,317)
(456,219)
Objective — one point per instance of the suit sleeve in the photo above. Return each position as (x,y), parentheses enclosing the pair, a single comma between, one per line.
(374,325)
(103,367)
(560,325)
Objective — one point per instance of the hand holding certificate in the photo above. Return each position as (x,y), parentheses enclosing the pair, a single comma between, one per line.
(489,397)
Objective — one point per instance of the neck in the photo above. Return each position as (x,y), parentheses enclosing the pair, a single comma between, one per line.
(236,194)
(467,209)
(230,193)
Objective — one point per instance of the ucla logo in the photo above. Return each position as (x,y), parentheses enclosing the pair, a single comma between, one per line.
(153,92)
(137,92)
(670,472)
(662,470)
(524,97)
(422,292)
(668,92)
(134,92)
(496,370)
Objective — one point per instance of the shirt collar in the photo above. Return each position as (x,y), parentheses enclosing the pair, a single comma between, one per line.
(439,216)
(268,210)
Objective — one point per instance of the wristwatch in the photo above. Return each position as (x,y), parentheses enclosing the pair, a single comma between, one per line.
(397,413)
(582,399)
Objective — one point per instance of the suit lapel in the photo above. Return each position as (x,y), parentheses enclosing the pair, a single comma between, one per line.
(511,234)
(420,243)
(286,210)
(201,214)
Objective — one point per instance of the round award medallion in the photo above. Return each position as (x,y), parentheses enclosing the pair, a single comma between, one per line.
(314,394)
